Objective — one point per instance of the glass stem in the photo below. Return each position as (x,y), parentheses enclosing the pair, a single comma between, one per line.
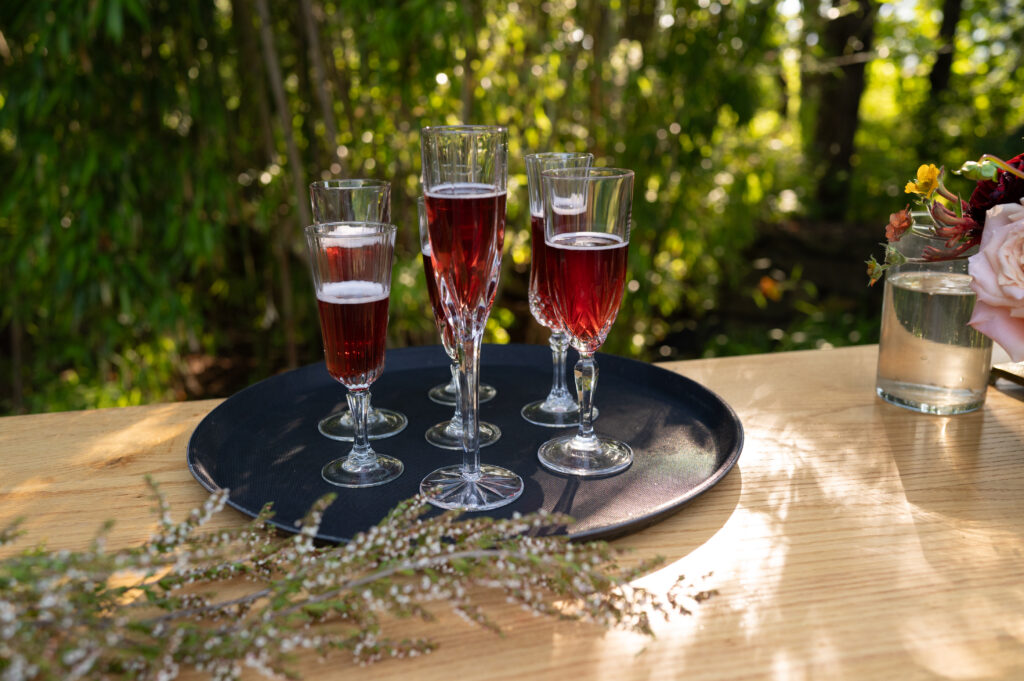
(469,399)
(359,404)
(371,415)
(455,424)
(559,345)
(586,383)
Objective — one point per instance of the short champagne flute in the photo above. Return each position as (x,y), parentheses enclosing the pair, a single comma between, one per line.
(355,200)
(586,227)
(558,409)
(351,266)
(447,434)
(465,174)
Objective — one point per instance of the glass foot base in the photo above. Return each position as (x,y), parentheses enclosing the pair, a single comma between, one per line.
(931,400)
(601,456)
(535,413)
(493,488)
(380,423)
(445,437)
(441,394)
(384,469)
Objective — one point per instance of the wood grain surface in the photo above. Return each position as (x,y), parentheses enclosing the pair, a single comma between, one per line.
(853,540)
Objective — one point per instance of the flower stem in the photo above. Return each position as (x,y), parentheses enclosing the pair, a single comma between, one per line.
(1002,165)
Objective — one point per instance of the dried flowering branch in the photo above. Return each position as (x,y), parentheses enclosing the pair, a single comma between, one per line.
(149,611)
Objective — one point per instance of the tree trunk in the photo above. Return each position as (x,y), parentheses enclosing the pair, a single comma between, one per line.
(316,59)
(252,74)
(938,79)
(641,17)
(298,185)
(17,393)
(836,92)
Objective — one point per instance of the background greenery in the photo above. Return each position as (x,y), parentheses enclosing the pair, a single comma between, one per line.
(154,156)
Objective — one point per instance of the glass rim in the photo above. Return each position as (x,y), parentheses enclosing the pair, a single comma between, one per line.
(360,230)
(590,173)
(348,183)
(438,129)
(558,154)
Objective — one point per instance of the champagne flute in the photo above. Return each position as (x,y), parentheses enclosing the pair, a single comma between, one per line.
(559,408)
(447,434)
(586,227)
(351,265)
(464,184)
(355,201)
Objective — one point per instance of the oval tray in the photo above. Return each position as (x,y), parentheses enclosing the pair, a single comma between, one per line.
(263,443)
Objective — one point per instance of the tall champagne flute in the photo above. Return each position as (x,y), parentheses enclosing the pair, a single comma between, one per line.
(558,409)
(586,227)
(464,184)
(351,264)
(447,434)
(355,200)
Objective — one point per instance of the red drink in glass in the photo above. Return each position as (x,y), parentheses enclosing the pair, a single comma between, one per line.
(586,272)
(467,232)
(352,261)
(465,173)
(435,303)
(541,303)
(354,323)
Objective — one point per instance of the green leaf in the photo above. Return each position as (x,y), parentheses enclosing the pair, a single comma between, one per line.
(115,20)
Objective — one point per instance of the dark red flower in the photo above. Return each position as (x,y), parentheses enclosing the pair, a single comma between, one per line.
(1006,188)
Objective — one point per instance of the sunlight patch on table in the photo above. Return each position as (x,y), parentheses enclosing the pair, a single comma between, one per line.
(126,444)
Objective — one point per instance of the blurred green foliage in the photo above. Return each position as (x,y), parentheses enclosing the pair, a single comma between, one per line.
(149,216)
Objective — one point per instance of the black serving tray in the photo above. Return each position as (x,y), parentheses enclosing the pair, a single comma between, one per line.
(264,446)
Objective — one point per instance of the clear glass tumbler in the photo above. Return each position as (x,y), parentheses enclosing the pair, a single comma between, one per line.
(929,359)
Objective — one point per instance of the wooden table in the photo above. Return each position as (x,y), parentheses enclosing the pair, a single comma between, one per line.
(853,540)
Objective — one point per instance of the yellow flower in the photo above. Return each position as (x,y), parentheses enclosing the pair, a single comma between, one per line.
(927,181)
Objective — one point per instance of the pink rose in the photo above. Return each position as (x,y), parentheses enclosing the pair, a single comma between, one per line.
(998,279)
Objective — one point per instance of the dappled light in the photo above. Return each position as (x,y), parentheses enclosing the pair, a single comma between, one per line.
(105,465)
(834,540)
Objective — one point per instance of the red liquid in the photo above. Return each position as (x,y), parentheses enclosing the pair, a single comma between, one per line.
(353,263)
(354,325)
(586,272)
(435,302)
(467,232)
(542,306)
